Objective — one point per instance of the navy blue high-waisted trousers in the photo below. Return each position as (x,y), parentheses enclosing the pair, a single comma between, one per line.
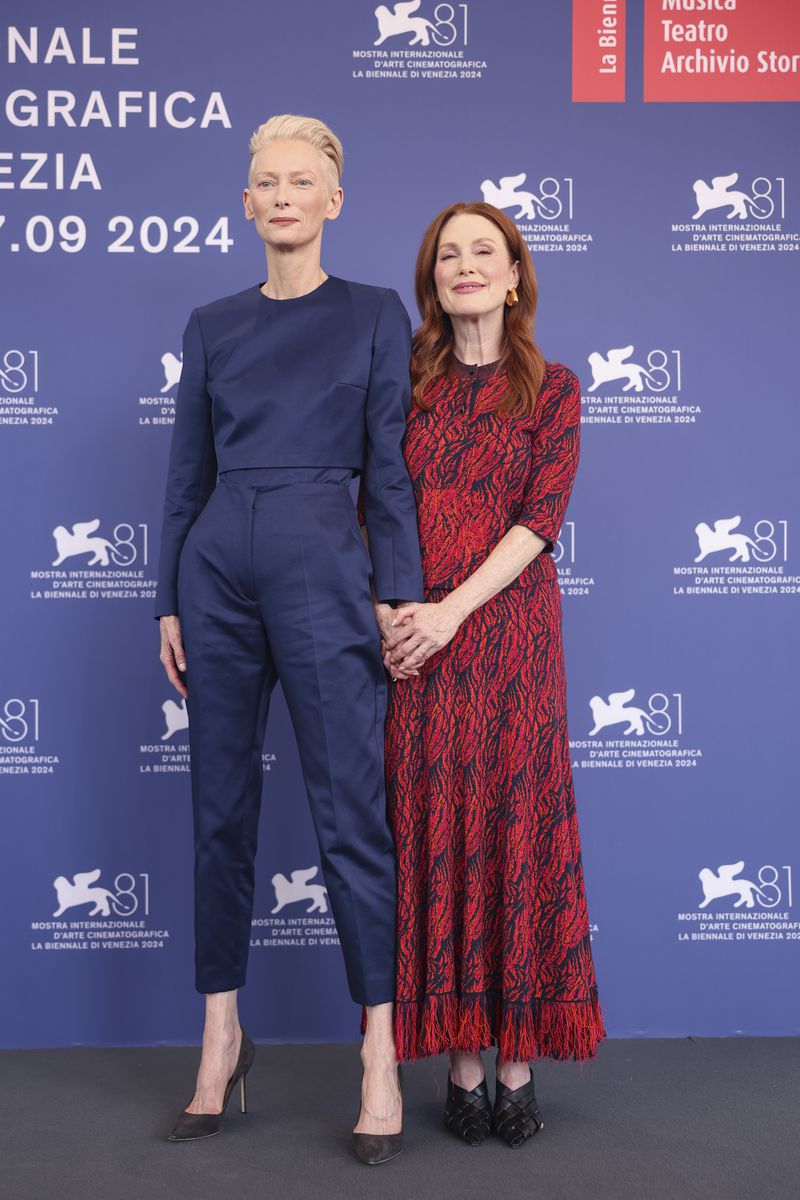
(273,584)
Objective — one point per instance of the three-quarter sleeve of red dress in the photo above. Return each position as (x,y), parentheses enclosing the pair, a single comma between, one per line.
(554,459)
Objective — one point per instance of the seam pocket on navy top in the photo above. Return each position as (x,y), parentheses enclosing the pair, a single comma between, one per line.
(346,383)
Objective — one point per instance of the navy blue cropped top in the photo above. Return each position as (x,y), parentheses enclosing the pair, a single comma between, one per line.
(319,380)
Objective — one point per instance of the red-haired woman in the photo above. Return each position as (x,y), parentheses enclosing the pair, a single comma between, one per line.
(493,933)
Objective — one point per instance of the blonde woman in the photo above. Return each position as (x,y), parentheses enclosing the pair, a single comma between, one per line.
(289,389)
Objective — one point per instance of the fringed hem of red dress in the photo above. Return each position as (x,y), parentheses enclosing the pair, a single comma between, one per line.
(522,1030)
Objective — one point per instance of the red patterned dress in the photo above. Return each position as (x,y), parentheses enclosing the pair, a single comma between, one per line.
(493,934)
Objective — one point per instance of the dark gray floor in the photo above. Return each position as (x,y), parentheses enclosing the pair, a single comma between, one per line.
(677,1119)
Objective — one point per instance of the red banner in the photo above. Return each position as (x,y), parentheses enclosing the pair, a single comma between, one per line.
(598,51)
(721,50)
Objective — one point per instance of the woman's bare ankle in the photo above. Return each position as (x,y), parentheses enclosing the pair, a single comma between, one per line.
(466,1070)
(512,1073)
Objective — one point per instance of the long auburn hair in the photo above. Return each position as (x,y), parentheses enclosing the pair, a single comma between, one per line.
(432,347)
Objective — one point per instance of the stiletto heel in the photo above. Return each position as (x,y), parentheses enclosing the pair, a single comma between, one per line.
(468,1114)
(191,1126)
(374,1148)
(516,1113)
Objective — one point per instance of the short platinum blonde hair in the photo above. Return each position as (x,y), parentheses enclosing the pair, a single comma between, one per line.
(304,129)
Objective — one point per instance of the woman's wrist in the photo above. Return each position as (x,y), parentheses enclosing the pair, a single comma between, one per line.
(455,606)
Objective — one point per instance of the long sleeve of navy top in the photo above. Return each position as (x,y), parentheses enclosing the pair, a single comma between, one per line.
(320,380)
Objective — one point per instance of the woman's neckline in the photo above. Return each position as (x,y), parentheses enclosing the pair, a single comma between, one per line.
(475,370)
(294,299)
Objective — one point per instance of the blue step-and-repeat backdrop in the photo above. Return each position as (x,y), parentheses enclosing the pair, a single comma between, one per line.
(649,156)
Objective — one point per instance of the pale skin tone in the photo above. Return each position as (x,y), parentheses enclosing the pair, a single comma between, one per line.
(292,191)
(473,274)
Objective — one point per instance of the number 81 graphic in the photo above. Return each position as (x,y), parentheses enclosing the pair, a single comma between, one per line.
(126,899)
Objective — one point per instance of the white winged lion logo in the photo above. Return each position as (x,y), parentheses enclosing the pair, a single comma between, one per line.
(397,20)
(79,891)
(297,888)
(723,883)
(718,196)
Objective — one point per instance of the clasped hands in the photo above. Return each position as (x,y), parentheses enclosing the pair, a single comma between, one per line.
(412,632)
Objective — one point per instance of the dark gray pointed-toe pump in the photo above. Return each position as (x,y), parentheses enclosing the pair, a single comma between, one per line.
(374,1148)
(191,1126)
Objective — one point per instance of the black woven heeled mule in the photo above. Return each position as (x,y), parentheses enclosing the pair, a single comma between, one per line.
(516,1113)
(468,1114)
(191,1126)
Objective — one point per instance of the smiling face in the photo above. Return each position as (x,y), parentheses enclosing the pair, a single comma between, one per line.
(291,193)
(474,270)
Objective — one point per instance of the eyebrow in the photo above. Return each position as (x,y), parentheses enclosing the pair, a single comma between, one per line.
(476,242)
(272,174)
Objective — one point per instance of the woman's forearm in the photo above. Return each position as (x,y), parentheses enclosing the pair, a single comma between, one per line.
(512,554)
